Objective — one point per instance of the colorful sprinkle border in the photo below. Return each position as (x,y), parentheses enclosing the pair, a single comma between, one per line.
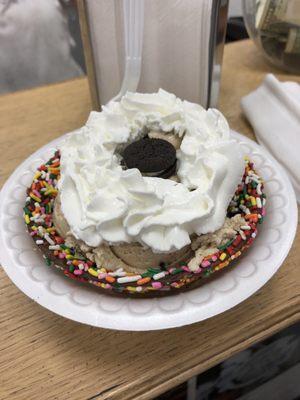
(249,201)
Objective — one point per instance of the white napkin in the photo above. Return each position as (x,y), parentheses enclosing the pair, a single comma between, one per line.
(273,110)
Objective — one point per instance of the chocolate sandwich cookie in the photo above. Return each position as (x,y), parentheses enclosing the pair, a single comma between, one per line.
(248,201)
(152,157)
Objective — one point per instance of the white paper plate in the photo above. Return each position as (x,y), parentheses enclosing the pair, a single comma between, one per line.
(48,287)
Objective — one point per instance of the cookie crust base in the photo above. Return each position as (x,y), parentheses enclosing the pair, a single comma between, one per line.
(249,201)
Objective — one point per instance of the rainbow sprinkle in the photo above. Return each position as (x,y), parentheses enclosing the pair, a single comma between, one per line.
(249,201)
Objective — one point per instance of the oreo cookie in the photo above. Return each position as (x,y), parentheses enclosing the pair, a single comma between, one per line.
(152,157)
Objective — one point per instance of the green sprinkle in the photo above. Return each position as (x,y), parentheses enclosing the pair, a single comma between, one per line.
(147,274)
(26,211)
(53,176)
(260,221)
(71,268)
(78,257)
(176,271)
(118,286)
(224,246)
(48,261)
(154,270)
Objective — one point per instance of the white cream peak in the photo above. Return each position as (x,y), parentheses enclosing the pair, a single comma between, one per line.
(105,204)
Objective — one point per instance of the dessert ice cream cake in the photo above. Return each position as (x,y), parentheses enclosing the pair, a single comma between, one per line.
(150,197)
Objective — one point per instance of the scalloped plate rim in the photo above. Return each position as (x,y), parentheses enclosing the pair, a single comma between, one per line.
(138,322)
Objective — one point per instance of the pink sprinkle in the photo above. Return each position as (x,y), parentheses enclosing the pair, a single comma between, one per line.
(174,284)
(61,255)
(77,272)
(156,285)
(263,211)
(102,276)
(36,193)
(108,286)
(214,258)
(186,269)
(198,270)
(205,263)
(50,181)
(171,270)
(86,267)
(32,233)
(43,210)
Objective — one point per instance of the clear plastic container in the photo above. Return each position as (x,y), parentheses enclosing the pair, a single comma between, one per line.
(182,48)
(274,25)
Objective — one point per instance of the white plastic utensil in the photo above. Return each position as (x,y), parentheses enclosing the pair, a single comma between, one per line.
(133,14)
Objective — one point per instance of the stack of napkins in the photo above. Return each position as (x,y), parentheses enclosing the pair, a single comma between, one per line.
(274,113)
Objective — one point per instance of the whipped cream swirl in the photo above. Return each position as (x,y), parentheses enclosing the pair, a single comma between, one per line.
(105,204)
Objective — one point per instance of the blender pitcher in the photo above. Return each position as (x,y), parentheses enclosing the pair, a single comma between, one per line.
(177,44)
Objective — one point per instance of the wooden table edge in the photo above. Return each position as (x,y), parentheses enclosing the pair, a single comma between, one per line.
(212,361)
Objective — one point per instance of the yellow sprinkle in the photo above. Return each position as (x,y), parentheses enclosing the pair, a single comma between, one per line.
(50,229)
(242,201)
(34,197)
(50,191)
(34,228)
(69,257)
(223,256)
(253,201)
(91,271)
(37,175)
(102,270)
(131,288)
(27,219)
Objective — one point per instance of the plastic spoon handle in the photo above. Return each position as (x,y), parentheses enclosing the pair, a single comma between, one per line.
(133,14)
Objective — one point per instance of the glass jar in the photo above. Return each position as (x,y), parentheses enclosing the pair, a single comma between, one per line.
(274,25)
